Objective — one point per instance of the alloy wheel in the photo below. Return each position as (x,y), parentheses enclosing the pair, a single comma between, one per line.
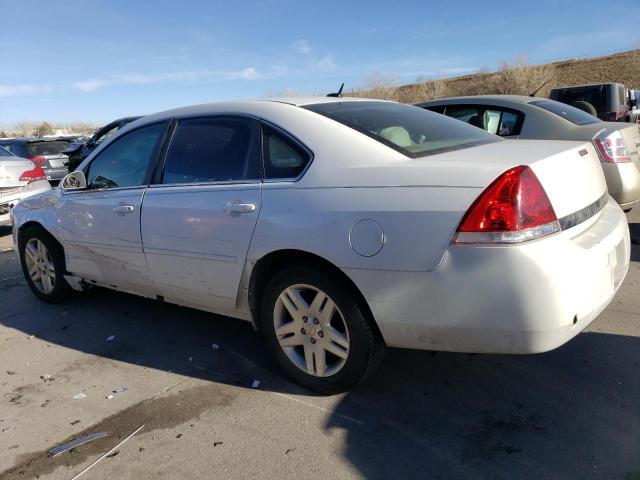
(311,330)
(40,266)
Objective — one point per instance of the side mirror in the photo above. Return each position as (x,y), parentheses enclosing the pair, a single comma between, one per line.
(74,181)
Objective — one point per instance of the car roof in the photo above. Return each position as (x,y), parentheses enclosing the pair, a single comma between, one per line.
(25,140)
(589,85)
(244,105)
(482,98)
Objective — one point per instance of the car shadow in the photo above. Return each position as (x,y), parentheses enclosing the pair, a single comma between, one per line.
(570,413)
(634,231)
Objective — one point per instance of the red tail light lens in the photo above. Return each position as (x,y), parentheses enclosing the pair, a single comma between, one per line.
(38,161)
(612,147)
(33,175)
(514,208)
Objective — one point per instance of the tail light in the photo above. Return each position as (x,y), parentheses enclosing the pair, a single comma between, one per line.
(611,147)
(38,161)
(513,209)
(33,175)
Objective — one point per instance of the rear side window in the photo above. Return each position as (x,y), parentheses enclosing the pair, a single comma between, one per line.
(126,161)
(46,148)
(596,95)
(213,149)
(283,158)
(410,130)
(572,114)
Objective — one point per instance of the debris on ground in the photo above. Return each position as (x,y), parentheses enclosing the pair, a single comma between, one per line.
(215,346)
(10,372)
(109,452)
(76,442)
(111,455)
(109,397)
(191,359)
(179,435)
(110,338)
(119,390)
(79,396)
(75,422)
(47,378)
(255,384)
(215,444)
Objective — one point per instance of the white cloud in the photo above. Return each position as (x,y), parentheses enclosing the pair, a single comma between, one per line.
(249,73)
(300,46)
(23,90)
(90,85)
(94,84)
(326,63)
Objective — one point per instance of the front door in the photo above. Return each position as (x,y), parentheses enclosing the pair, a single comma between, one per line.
(101,225)
(197,223)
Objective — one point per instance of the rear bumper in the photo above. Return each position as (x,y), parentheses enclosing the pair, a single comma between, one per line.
(511,299)
(623,182)
(9,201)
(56,173)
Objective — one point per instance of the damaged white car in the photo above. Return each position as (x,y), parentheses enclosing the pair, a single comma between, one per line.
(338,227)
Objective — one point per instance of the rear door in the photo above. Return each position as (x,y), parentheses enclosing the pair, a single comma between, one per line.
(198,220)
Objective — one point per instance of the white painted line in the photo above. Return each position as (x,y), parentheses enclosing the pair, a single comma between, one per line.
(317,407)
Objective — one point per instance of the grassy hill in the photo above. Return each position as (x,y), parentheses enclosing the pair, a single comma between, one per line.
(516,78)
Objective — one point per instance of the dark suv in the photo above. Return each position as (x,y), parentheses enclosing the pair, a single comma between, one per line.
(44,153)
(607,101)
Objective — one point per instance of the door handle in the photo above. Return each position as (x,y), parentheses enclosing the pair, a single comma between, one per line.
(231,207)
(122,209)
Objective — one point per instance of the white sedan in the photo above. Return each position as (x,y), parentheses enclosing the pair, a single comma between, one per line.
(19,179)
(338,227)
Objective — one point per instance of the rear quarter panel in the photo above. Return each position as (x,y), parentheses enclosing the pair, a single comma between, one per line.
(417,223)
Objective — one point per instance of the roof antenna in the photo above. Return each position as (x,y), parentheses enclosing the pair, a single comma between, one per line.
(338,94)
(539,88)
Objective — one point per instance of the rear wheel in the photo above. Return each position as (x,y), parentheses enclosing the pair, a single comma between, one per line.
(318,332)
(42,260)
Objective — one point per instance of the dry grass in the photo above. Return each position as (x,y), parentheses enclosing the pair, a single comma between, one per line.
(516,77)
(39,129)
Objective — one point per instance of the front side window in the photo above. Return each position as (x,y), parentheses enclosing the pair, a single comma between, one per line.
(213,149)
(283,158)
(126,161)
(412,131)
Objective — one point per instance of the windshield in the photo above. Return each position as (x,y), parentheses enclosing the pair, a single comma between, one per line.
(572,114)
(413,131)
(46,148)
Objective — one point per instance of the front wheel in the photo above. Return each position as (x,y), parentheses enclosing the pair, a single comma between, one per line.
(43,265)
(318,331)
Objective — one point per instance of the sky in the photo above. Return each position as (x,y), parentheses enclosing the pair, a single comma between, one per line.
(95,60)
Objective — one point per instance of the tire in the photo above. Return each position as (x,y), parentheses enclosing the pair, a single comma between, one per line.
(585,107)
(338,348)
(52,265)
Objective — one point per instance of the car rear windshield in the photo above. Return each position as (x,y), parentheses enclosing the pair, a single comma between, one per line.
(46,148)
(572,114)
(410,130)
(5,153)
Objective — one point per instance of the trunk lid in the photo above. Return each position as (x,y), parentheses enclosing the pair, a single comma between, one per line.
(10,171)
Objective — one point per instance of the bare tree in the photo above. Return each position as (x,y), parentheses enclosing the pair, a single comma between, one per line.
(378,86)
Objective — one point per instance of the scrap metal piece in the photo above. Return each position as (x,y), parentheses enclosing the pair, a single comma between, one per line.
(65,447)
(109,452)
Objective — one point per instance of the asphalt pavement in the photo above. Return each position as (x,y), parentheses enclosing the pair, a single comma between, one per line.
(211,403)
